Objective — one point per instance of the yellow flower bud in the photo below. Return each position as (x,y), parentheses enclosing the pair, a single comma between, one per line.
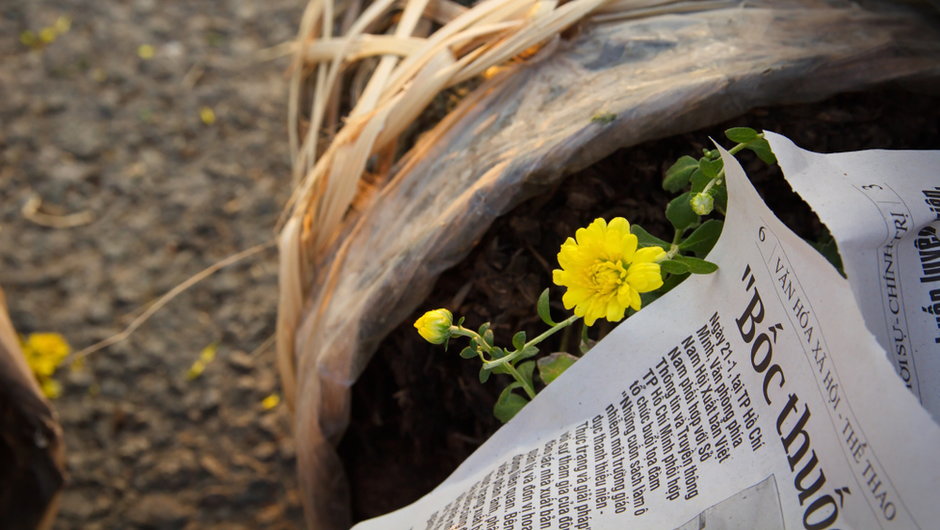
(435,325)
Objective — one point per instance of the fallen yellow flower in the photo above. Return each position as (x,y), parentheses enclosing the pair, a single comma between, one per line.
(270,402)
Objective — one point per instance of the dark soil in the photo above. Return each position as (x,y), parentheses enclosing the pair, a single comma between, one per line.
(419,411)
(88,125)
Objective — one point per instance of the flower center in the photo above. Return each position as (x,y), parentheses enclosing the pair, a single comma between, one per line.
(607,276)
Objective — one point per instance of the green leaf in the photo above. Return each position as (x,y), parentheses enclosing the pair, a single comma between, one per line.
(679,212)
(741,135)
(677,176)
(509,403)
(645,239)
(720,193)
(525,370)
(551,366)
(668,284)
(673,266)
(699,181)
(543,308)
(468,353)
(501,369)
(485,374)
(703,238)
(710,168)
(488,336)
(528,351)
(518,340)
(697,266)
(826,246)
(483,328)
(762,148)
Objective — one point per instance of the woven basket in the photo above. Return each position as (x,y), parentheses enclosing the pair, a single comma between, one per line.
(371,225)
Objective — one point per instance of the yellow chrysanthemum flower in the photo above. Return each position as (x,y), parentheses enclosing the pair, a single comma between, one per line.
(604,272)
(52,345)
(435,325)
(44,353)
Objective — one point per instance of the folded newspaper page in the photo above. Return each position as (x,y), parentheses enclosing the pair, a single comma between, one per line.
(883,209)
(751,398)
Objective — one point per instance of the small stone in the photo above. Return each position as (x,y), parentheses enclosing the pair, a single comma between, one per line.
(264,451)
(133,446)
(241,362)
(210,400)
(160,511)
(68,170)
(84,138)
(213,466)
(215,497)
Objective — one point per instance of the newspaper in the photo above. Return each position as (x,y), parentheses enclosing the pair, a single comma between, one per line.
(883,209)
(749,398)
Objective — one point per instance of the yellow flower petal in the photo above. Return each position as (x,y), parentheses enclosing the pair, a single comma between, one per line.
(270,402)
(645,277)
(615,311)
(648,254)
(635,301)
(207,115)
(434,326)
(51,388)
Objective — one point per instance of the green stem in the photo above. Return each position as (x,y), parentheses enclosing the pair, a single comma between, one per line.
(673,247)
(552,330)
(469,333)
(736,149)
(721,174)
(507,360)
(518,377)
(715,181)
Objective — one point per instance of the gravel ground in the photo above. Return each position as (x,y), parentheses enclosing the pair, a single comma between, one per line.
(110,126)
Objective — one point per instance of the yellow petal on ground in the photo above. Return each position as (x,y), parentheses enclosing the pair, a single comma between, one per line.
(43,366)
(77,365)
(196,370)
(146,51)
(207,115)
(207,355)
(51,388)
(28,38)
(63,24)
(52,345)
(270,402)
(47,35)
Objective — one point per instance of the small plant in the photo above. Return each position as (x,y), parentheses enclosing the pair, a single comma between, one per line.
(610,270)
